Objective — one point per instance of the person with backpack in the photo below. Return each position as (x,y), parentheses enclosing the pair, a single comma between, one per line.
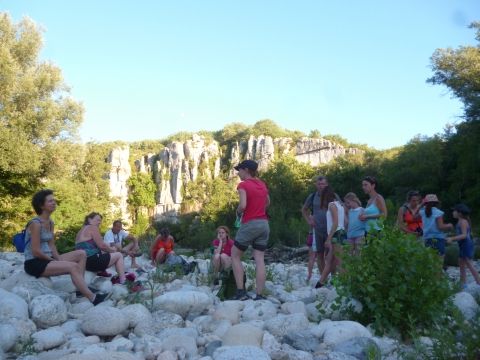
(409,219)
(463,237)
(316,218)
(41,256)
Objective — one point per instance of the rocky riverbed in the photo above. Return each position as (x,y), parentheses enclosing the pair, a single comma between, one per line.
(180,317)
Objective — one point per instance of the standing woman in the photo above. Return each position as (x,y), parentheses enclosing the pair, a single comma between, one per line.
(336,233)
(433,225)
(408,217)
(100,256)
(375,208)
(41,255)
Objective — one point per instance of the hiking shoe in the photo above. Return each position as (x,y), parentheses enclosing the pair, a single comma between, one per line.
(99,298)
(79,294)
(104,274)
(241,295)
(260,297)
(318,285)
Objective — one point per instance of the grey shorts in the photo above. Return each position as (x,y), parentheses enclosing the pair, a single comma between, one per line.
(320,238)
(255,233)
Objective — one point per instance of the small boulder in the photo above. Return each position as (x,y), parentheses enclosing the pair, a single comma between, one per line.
(48,310)
(12,306)
(240,353)
(104,321)
(48,339)
(339,331)
(184,303)
(466,304)
(243,334)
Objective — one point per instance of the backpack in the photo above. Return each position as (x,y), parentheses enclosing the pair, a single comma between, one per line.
(310,201)
(19,239)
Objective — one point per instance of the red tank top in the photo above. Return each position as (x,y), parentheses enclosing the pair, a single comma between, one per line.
(413,222)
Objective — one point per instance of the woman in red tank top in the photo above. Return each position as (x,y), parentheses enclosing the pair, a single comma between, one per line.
(162,246)
(408,218)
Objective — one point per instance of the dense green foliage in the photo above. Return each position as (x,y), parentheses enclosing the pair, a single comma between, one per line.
(399,282)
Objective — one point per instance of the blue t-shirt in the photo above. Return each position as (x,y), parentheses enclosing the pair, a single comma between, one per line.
(356,227)
(430,228)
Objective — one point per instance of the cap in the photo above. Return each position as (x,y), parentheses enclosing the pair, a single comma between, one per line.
(247,164)
(430,198)
(462,208)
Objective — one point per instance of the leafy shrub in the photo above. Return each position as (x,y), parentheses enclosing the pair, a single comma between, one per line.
(66,239)
(399,282)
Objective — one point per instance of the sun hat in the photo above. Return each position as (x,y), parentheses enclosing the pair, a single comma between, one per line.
(430,198)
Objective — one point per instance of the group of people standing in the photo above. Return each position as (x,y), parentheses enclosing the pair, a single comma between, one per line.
(334,223)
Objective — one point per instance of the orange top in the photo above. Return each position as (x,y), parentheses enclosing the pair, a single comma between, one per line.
(167,245)
(413,222)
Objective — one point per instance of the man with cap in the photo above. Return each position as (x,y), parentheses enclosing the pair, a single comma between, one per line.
(254,229)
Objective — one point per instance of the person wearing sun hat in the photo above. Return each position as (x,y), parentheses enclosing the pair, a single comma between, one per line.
(463,236)
(433,225)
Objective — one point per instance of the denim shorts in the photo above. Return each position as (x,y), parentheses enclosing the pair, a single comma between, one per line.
(466,249)
(437,244)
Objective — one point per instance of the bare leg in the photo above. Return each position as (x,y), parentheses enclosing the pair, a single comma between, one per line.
(259,270)
(237,266)
(216,263)
(117,259)
(67,267)
(77,256)
(225,262)
(329,259)
(161,257)
(320,261)
(472,269)
(311,260)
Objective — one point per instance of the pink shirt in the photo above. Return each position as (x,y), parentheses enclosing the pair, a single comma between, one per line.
(257,194)
(227,246)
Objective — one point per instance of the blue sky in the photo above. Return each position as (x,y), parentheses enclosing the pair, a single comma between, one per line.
(147,69)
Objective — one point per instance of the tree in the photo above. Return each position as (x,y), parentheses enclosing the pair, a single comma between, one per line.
(37,117)
(459,70)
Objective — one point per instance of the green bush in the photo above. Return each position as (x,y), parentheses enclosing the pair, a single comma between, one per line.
(399,282)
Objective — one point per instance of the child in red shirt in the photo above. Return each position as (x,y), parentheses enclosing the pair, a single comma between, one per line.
(222,250)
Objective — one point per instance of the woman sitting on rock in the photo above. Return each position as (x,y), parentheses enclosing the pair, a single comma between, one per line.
(100,256)
(162,246)
(222,251)
(41,255)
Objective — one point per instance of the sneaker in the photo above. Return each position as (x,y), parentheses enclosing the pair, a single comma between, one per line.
(104,274)
(260,297)
(79,294)
(318,285)
(99,298)
(241,295)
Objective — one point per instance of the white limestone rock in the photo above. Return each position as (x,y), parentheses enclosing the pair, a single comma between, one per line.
(339,331)
(281,324)
(12,306)
(243,334)
(104,321)
(136,314)
(49,338)
(258,310)
(8,336)
(466,304)
(183,303)
(48,310)
(240,353)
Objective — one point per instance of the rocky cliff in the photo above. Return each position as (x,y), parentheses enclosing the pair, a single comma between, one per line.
(182,162)
(120,171)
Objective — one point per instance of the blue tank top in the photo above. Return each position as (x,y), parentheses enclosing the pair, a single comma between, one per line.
(356,227)
(45,237)
(430,228)
(89,246)
(372,224)
(468,239)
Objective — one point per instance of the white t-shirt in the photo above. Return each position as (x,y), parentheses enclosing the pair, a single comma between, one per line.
(117,239)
